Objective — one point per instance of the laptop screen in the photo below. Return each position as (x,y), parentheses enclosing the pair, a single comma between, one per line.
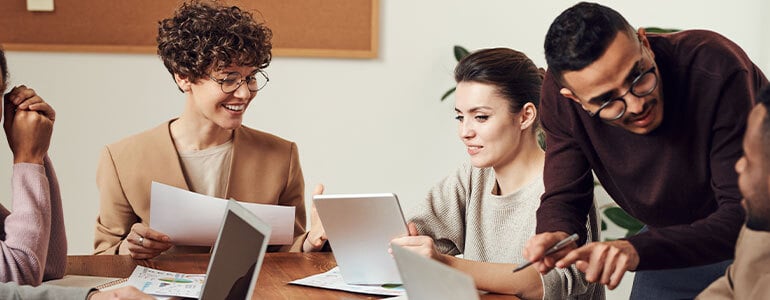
(237,255)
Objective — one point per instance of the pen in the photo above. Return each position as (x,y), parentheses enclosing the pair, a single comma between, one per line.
(560,245)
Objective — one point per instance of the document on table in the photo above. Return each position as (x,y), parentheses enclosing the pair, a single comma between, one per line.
(194,219)
(332,280)
(167,284)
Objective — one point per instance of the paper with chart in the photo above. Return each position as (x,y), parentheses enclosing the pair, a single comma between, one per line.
(164,283)
(194,219)
(332,280)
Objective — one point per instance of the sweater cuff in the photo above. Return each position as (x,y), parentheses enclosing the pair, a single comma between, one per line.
(28,167)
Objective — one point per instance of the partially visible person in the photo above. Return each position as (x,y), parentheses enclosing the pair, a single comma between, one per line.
(659,119)
(216,55)
(13,291)
(33,244)
(316,237)
(749,275)
(486,210)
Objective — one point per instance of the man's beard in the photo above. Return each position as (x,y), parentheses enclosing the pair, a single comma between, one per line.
(756,221)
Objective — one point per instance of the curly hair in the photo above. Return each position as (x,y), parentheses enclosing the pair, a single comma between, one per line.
(203,36)
(512,73)
(3,70)
(580,35)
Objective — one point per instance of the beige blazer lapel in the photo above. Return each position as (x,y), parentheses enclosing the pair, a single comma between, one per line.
(166,168)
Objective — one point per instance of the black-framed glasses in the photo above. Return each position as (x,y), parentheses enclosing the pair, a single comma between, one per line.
(614,108)
(233,81)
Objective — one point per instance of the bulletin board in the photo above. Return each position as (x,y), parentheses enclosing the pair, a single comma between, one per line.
(310,28)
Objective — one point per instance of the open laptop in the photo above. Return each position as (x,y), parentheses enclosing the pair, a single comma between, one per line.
(237,255)
(425,278)
(359,228)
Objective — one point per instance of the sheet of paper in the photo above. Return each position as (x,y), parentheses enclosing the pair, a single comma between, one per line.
(164,283)
(194,219)
(332,280)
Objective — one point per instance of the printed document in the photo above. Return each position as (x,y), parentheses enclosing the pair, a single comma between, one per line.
(332,280)
(194,219)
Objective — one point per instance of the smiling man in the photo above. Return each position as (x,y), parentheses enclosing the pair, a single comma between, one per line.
(659,119)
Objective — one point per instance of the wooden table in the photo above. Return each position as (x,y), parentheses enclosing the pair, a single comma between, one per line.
(277,270)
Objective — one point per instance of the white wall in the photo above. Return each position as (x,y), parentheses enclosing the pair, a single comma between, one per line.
(361,125)
(765,48)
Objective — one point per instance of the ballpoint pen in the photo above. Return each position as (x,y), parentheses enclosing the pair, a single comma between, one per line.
(560,245)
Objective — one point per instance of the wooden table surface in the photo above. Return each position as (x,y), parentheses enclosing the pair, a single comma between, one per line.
(277,270)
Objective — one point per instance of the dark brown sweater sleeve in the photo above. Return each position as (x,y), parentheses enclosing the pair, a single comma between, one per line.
(567,175)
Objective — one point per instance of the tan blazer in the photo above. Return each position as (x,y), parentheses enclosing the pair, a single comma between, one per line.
(749,275)
(265,169)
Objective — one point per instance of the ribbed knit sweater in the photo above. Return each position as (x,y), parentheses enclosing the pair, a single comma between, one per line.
(463,216)
(679,179)
(33,243)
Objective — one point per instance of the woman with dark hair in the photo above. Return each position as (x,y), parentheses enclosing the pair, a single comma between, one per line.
(216,56)
(486,210)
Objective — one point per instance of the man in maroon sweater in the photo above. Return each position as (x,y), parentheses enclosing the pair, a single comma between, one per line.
(659,119)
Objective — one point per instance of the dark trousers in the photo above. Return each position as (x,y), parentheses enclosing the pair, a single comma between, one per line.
(676,283)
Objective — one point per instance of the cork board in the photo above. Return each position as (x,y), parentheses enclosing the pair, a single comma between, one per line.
(310,28)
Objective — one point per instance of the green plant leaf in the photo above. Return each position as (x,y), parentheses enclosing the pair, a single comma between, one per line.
(604,225)
(449,92)
(540,136)
(618,216)
(660,30)
(460,52)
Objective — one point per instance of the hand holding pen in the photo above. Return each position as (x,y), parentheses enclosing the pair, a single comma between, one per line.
(555,248)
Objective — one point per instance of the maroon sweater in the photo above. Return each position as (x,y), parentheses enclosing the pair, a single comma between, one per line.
(680,178)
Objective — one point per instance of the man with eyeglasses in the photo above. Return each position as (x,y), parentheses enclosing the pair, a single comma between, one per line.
(659,120)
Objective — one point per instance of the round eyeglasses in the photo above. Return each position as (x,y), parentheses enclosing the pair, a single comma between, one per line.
(614,108)
(233,81)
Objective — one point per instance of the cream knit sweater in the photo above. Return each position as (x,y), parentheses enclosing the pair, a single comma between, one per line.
(464,217)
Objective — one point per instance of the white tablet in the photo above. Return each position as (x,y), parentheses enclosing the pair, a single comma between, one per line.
(425,278)
(359,228)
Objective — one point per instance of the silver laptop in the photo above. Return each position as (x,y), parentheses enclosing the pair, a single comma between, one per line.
(425,278)
(237,255)
(359,228)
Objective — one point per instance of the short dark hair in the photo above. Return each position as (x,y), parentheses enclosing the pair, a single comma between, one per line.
(514,75)
(3,70)
(764,98)
(580,35)
(202,36)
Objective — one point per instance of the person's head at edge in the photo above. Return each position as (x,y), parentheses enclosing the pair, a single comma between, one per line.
(216,55)
(754,166)
(498,91)
(596,57)
(3,72)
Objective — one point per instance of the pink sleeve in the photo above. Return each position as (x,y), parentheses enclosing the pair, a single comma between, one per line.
(27,230)
(56,263)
